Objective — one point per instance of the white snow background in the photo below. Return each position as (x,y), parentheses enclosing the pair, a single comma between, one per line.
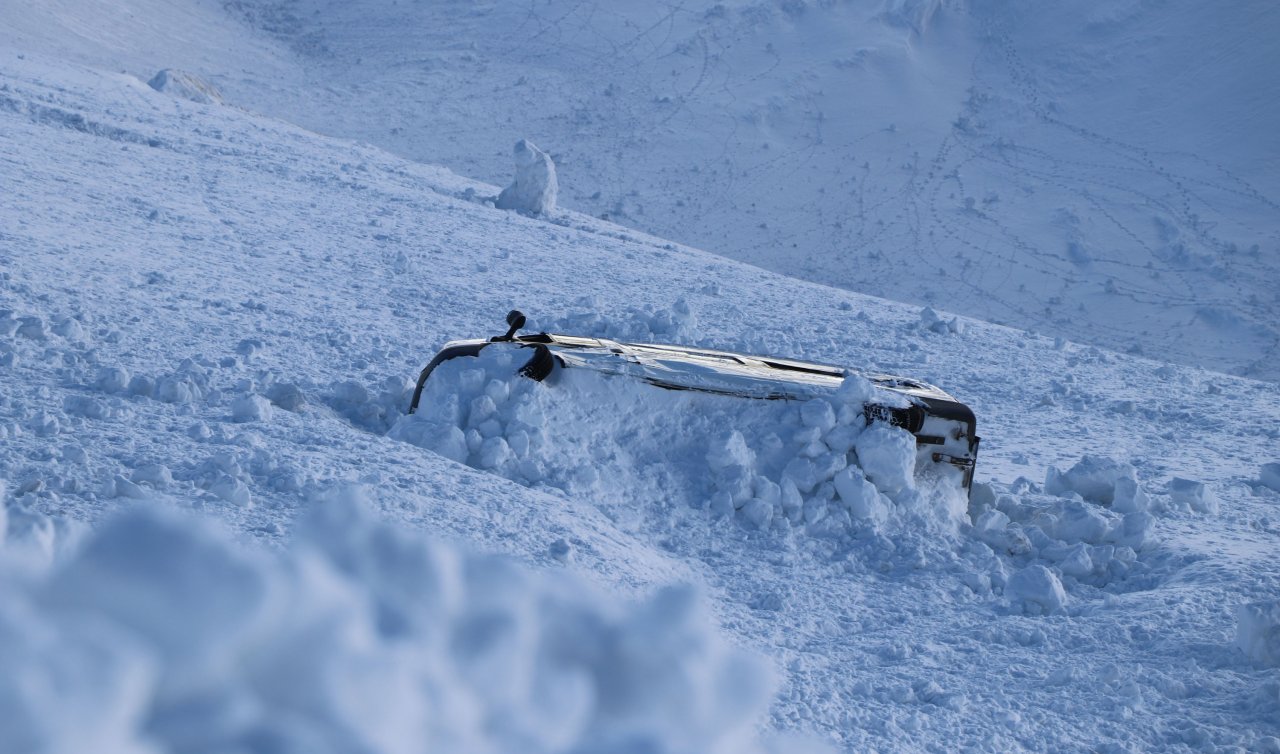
(222,533)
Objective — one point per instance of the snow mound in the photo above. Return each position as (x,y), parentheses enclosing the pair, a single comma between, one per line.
(1258,632)
(1038,589)
(1085,545)
(187,86)
(534,188)
(1101,480)
(161,634)
(933,322)
(1269,476)
(1193,495)
(637,450)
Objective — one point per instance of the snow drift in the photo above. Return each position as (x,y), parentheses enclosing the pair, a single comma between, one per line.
(163,634)
(770,465)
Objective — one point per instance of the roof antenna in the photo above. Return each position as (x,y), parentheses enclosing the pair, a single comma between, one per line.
(515,318)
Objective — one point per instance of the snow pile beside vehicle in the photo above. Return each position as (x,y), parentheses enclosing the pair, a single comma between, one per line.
(1105,481)
(1039,549)
(647,455)
(633,447)
(162,633)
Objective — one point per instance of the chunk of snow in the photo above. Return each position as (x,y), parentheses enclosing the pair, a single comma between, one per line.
(493,453)
(1129,496)
(932,321)
(141,385)
(1080,522)
(1258,632)
(1192,494)
(34,328)
(534,188)
(1098,479)
(855,390)
(176,389)
(561,550)
(112,380)
(250,408)
(286,395)
(729,449)
(860,496)
(1269,476)
(888,456)
(1076,561)
(71,329)
(231,490)
(757,513)
(155,474)
(1038,589)
(818,414)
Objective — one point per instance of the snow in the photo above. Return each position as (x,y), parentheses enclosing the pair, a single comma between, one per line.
(534,188)
(163,262)
(1192,494)
(162,633)
(1258,632)
(550,434)
(1102,480)
(1270,476)
(251,408)
(187,86)
(1104,173)
(1038,589)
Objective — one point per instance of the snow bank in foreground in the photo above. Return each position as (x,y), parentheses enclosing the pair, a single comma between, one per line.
(770,465)
(161,634)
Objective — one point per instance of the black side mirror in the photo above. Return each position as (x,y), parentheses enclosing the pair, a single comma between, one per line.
(516,319)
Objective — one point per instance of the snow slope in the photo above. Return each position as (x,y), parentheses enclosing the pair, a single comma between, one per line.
(218,311)
(1104,172)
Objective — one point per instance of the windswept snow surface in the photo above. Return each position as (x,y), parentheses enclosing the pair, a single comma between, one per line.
(1102,171)
(223,314)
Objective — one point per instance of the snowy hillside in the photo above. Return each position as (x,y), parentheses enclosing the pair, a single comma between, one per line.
(1104,172)
(222,314)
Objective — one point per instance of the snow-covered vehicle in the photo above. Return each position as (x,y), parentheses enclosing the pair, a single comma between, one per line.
(945,429)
